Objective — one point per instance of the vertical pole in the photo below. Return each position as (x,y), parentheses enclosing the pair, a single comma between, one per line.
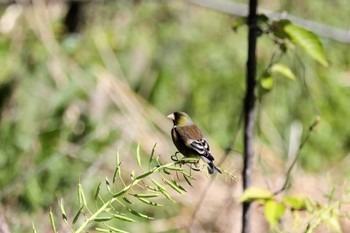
(249,103)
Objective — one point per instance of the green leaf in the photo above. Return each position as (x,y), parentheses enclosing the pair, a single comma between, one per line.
(108,185)
(138,155)
(52,221)
(146,201)
(238,23)
(97,191)
(174,186)
(295,203)
(256,194)
(117,168)
(309,41)
(143,175)
(277,29)
(151,157)
(127,200)
(187,178)
(160,187)
(33,228)
(123,218)
(267,82)
(76,217)
(175,168)
(162,190)
(139,214)
(102,230)
(151,187)
(283,70)
(64,215)
(102,219)
(113,229)
(81,195)
(273,212)
(146,195)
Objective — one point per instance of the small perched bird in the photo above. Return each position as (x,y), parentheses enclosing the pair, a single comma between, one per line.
(189,140)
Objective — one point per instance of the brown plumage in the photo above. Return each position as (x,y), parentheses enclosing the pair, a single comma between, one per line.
(190,141)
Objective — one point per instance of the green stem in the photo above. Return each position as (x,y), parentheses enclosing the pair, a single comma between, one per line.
(126,189)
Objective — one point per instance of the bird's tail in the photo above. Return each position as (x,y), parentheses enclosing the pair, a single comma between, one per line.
(212,168)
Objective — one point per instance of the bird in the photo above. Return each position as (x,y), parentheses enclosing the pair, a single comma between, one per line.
(189,140)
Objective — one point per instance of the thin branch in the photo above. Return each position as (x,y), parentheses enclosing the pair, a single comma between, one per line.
(296,158)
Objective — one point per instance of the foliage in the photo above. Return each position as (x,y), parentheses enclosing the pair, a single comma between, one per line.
(314,214)
(123,200)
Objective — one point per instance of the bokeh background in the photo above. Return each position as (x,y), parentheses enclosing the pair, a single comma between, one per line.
(80,80)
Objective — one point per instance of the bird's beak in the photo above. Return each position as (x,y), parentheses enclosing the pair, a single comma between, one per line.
(171,117)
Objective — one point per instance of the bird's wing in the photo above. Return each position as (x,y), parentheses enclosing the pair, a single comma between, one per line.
(194,139)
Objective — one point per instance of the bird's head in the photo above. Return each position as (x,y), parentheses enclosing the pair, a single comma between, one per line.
(180,118)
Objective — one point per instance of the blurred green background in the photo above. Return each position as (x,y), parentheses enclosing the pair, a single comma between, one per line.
(69,100)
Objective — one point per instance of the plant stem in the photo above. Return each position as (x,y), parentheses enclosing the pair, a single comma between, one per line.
(126,189)
(249,103)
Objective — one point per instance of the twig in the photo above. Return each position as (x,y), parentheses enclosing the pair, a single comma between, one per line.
(289,171)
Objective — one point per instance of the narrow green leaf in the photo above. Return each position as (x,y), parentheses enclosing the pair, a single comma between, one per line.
(238,23)
(64,215)
(187,179)
(108,185)
(82,199)
(295,203)
(273,212)
(127,200)
(162,190)
(33,228)
(151,187)
(121,192)
(167,195)
(113,229)
(145,195)
(178,185)
(255,193)
(175,168)
(52,221)
(146,201)
(116,170)
(173,186)
(124,218)
(160,187)
(166,171)
(97,190)
(283,70)
(102,219)
(138,155)
(102,230)
(75,219)
(143,175)
(309,41)
(188,160)
(139,214)
(151,157)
